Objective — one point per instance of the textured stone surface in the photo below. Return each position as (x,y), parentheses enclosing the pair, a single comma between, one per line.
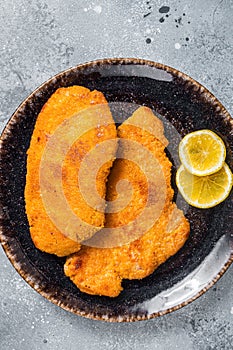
(41,38)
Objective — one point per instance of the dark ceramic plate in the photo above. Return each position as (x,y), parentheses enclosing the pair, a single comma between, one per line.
(207,254)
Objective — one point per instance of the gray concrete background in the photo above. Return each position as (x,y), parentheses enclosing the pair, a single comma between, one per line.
(40,38)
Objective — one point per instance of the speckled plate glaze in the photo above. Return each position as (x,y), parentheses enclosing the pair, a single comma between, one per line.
(209,250)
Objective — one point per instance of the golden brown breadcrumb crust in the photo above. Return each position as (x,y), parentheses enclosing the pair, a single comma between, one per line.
(100,270)
(61,106)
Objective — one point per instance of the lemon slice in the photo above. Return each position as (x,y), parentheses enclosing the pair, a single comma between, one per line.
(202,152)
(204,191)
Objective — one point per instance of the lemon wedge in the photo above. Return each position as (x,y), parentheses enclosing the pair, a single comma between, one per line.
(202,152)
(204,191)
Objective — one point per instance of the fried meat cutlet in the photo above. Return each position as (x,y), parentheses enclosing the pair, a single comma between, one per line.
(100,271)
(61,107)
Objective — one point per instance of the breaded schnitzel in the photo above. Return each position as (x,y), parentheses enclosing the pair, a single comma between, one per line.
(62,105)
(100,271)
